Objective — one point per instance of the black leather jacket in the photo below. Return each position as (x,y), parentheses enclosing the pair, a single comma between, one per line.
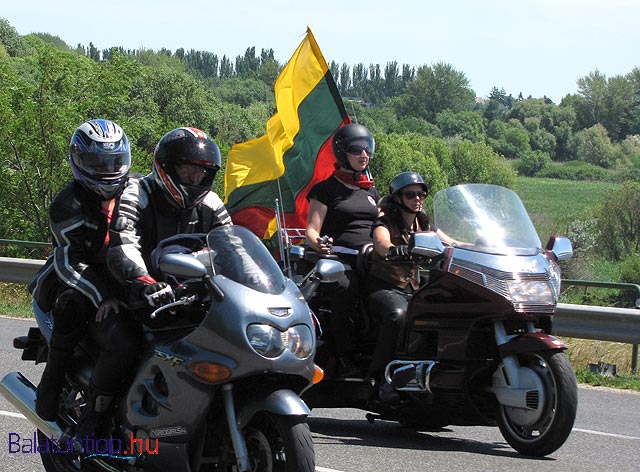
(144,217)
(78,230)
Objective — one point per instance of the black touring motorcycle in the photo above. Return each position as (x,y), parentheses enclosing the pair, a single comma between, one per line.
(217,387)
(476,348)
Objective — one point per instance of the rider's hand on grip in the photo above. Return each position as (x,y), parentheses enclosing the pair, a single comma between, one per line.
(156,293)
(324,244)
(402,250)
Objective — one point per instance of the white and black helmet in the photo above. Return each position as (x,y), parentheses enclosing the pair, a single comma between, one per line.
(100,157)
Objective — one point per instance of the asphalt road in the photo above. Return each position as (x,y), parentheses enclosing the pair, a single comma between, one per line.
(606,435)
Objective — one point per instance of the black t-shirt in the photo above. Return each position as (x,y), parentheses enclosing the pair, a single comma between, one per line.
(350,212)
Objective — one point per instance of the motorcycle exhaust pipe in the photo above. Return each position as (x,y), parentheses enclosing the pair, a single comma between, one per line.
(21,393)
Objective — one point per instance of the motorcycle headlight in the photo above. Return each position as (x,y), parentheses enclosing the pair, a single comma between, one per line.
(531,292)
(271,342)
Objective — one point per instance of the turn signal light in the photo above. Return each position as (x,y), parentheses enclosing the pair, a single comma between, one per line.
(318,374)
(209,372)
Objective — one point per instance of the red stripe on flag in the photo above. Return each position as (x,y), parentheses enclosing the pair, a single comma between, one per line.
(254,218)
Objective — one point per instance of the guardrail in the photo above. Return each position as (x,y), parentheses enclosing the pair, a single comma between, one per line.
(575,321)
(19,271)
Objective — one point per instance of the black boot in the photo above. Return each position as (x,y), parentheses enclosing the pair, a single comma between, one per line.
(92,422)
(50,387)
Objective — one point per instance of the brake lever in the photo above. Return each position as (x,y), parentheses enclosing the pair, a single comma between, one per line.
(180,302)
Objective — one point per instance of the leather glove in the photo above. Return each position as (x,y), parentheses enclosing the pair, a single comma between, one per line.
(155,293)
(397,251)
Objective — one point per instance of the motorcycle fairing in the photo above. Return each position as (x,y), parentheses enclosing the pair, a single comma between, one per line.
(531,342)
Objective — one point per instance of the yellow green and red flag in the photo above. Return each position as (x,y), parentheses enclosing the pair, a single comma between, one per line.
(294,154)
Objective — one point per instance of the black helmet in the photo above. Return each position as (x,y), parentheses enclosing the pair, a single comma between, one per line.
(185,146)
(404,179)
(100,157)
(346,135)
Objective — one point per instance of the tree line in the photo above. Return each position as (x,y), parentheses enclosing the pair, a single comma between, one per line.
(424,118)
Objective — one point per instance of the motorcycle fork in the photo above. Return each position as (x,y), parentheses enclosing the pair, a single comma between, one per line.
(514,385)
(511,364)
(237,439)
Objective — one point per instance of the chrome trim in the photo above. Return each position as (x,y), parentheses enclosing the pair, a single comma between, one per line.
(420,382)
(469,266)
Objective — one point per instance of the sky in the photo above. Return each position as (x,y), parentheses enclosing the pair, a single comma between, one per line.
(534,47)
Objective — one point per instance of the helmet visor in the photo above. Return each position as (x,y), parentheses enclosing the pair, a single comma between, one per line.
(103,165)
(193,175)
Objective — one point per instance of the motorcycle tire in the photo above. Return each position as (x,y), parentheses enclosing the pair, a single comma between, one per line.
(289,439)
(551,430)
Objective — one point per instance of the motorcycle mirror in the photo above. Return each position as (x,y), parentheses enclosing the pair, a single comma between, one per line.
(560,247)
(328,270)
(426,244)
(182,265)
(296,253)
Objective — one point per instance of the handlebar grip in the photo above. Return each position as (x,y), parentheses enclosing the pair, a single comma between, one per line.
(309,290)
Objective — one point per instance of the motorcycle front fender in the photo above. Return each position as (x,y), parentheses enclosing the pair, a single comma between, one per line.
(531,342)
(280,402)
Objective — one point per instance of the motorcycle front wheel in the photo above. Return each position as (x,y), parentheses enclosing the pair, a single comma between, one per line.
(289,440)
(560,397)
(275,443)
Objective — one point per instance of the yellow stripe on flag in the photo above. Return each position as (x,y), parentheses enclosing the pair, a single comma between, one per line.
(301,75)
(261,159)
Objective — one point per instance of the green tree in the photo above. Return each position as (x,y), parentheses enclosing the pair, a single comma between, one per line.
(594,146)
(12,42)
(533,162)
(465,125)
(509,139)
(397,153)
(437,88)
(617,218)
(345,78)
(478,163)
(55,41)
(269,69)
(610,102)
(39,112)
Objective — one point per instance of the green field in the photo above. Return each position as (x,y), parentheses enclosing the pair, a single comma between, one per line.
(553,203)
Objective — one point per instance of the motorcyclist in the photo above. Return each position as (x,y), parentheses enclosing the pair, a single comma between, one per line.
(175,198)
(342,209)
(390,283)
(75,283)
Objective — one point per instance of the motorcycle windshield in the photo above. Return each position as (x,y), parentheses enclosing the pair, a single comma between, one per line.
(238,254)
(488,218)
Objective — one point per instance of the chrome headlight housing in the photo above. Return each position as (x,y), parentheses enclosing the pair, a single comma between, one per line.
(555,277)
(536,292)
(270,342)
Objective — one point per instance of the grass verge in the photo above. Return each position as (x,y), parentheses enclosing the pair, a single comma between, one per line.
(624,382)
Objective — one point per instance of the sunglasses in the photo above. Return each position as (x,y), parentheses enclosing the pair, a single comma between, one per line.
(411,194)
(357,149)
